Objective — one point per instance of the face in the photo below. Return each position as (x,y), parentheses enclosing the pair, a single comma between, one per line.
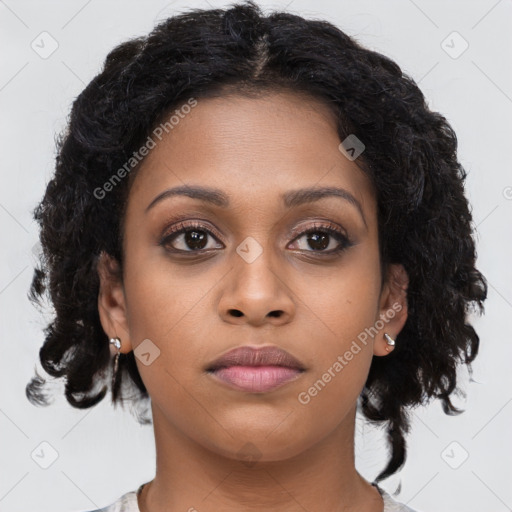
(257,262)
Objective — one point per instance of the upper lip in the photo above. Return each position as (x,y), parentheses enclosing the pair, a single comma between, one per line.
(251,356)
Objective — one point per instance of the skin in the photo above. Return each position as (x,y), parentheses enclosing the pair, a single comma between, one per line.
(313,306)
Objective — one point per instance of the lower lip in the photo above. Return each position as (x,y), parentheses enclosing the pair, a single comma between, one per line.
(256,379)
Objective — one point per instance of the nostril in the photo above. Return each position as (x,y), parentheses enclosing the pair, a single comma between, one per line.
(235,312)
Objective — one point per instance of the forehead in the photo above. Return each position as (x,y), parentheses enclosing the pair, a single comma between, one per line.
(253,148)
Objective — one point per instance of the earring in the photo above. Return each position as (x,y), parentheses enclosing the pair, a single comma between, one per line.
(117,343)
(390,341)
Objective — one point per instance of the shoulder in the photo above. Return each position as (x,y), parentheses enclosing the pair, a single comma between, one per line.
(390,504)
(126,503)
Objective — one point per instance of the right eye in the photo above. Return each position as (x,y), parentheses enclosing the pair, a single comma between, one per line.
(192,235)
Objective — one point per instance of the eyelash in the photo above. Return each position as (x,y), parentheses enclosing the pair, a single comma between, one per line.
(329,229)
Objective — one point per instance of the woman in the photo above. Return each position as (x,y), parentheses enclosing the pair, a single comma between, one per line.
(260,226)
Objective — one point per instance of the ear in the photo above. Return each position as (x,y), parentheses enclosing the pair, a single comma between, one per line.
(392,308)
(112,302)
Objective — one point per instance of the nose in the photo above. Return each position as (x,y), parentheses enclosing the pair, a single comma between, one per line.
(256,293)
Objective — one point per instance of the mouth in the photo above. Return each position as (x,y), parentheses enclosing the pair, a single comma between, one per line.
(256,370)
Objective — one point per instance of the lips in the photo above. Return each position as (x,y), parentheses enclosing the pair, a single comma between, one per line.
(249,356)
(255,370)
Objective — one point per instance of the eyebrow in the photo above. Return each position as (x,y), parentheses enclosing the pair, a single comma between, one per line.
(291,198)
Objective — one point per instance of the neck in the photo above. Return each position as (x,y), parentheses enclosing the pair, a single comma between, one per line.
(191,477)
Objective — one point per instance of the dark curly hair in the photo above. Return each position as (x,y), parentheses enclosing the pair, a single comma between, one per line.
(424,219)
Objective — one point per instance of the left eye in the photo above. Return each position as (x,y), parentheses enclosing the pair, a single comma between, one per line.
(323,240)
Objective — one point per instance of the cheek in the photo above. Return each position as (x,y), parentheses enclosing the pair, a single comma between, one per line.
(340,365)
(343,303)
(166,310)
(160,294)
(341,330)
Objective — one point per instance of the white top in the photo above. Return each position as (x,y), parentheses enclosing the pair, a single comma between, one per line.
(128,503)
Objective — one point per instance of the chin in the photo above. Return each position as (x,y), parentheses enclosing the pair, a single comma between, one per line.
(257,445)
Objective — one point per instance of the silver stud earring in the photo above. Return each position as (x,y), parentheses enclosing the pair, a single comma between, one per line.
(390,341)
(117,343)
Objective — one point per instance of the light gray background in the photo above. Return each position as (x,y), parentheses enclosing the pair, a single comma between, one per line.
(103,452)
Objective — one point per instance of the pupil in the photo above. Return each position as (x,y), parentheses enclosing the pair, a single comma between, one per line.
(314,243)
(195,239)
